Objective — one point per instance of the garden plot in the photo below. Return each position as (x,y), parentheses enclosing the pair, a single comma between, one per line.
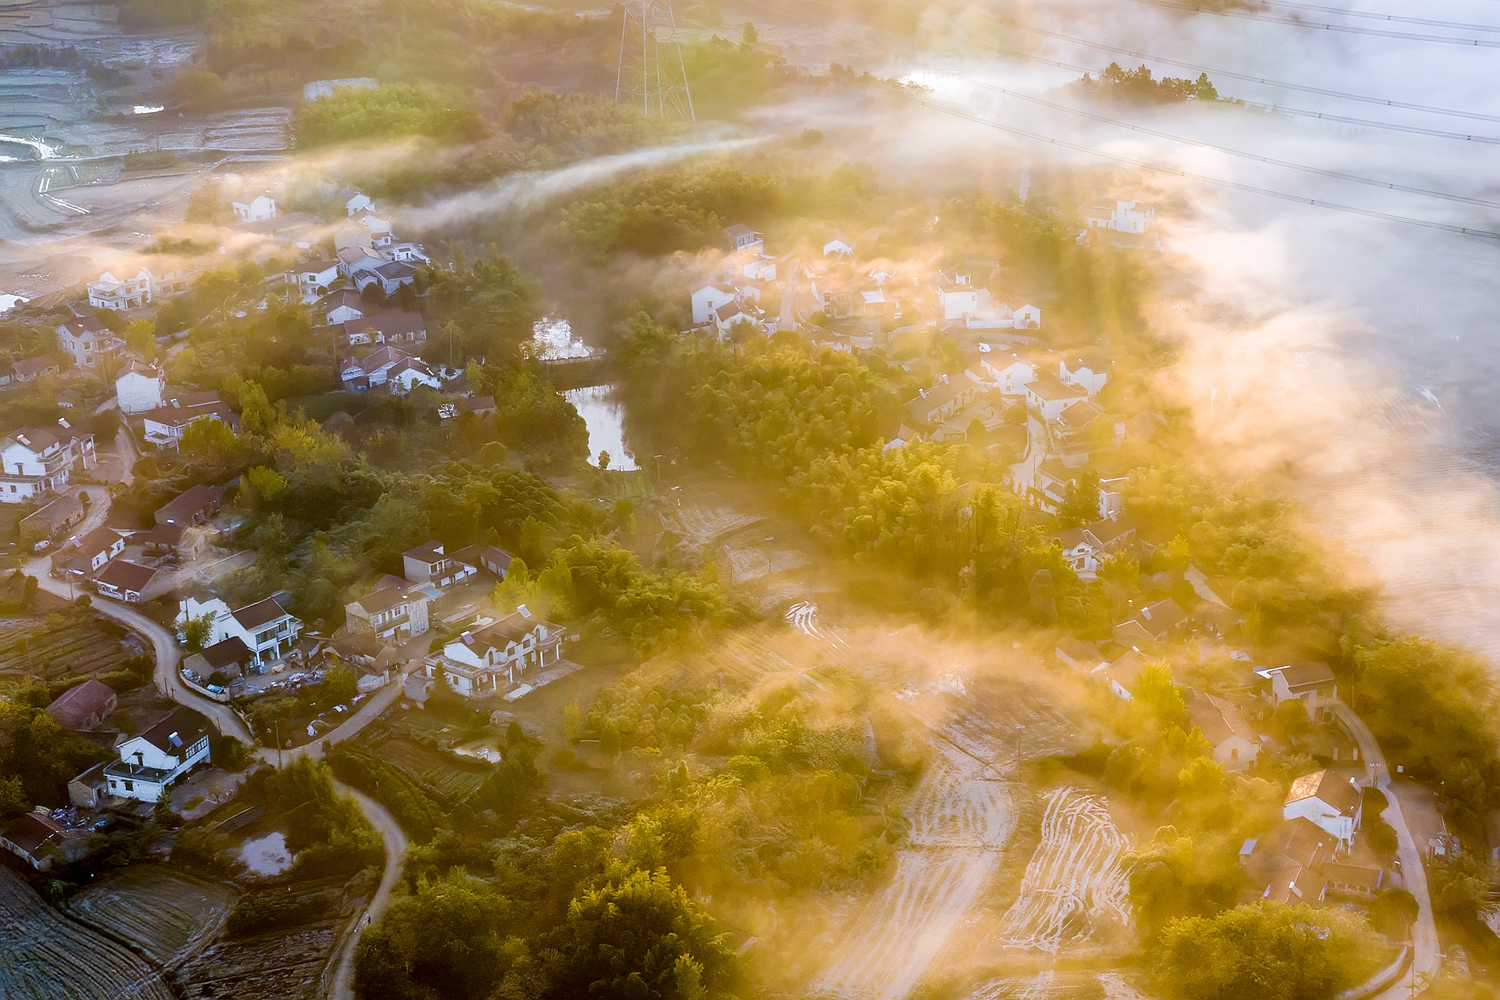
(162,914)
(448,778)
(78,645)
(1074,880)
(961,819)
(1049,985)
(44,956)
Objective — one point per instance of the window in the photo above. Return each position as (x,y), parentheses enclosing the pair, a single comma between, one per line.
(130,786)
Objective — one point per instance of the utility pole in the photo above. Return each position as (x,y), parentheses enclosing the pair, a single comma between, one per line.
(278,743)
(662,98)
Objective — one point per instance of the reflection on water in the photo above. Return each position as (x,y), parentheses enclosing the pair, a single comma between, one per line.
(606,422)
(266,855)
(552,340)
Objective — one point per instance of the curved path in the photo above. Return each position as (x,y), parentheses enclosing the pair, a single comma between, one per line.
(1427,960)
(395,850)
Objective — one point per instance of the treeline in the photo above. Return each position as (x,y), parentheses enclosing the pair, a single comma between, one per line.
(1137,86)
(389,111)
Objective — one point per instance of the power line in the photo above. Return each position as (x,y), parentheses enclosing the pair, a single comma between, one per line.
(1249,78)
(1273,161)
(1347,29)
(1204,178)
(1394,18)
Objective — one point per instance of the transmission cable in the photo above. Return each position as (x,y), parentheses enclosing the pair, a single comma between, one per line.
(1347,29)
(1373,16)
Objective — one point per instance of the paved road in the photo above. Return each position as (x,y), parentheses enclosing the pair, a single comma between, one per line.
(395,850)
(1426,958)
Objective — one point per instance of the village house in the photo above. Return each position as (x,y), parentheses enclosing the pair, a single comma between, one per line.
(370,659)
(1155,622)
(1050,396)
(53,518)
(125,581)
(109,292)
(1053,479)
(392,613)
(160,539)
(1121,216)
(88,342)
(1313,683)
(191,507)
(267,629)
(35,838)
(1011,373)
(492,659)
(1088,375)
(708,299)
(252,206)
(153,761)
(139,387)
(89,790)
(1235,743)
(752,264)
(165,426)
(428,563)
(391,326)
(38,462)
(1284,866)
(229,658)
(1124,674)
(84,706)
(358,202)
(481,406)
(1080,654)
(978,307)
(390,275)
(85,556)
(342,306)
(1329,799)
(952,393)
(742,237)
(487,557)
(838,246)
(388,366)
(31,369)
(314,278)
(1085,548)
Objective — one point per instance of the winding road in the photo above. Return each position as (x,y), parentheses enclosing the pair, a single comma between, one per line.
(229,723)
(1427,960)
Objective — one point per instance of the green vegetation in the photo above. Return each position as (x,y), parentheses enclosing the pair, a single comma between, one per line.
(38,757)
(1291,952)
(326,832)
(1137,87)
(390,111)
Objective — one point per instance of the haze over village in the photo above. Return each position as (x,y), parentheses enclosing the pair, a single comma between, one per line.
(846,501)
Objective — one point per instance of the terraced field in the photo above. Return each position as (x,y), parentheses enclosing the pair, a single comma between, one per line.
(448,779)
(44,956)
(163,914)
(80,645)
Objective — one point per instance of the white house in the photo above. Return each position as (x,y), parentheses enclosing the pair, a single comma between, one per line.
(89,553)
(957,294)
(378,228)
(1011,372)
(109,292)
(390,275)
(387,366)
(166,425)
(265,627)
(839,247)
(492,659)
(978,307)
(1051,396)
(742,237)
(708,300)
(88,342)
(391,613)
(754,265)
(314,277)
(1328,799)
(140,387)
(1088,375)
(360,202)
(1085,548)
(250,206)
(429,563)
(1234,742)
(342,306)
(1313,683)
(1122,216)
(37,462)
(152,762)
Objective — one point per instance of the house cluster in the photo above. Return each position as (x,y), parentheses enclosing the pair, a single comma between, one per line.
(98,560)
(259,635)
(146,765)
(399,609)
(164,413)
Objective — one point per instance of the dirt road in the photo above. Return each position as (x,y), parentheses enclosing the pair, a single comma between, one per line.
(395,851)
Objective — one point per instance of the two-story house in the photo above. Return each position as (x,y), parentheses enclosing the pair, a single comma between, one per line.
(1121,216)
(89,553)
(1313,683)
(1087,374)
(88,342)
(429,563)
(119,294)
(1331,800)
(267,629)
(1011,372)
(139,387)
(153,761)
(37,462)
(392,613)
(250,206)
(314,277)
(492,659)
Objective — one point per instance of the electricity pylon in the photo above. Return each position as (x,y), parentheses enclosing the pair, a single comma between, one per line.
(652,24)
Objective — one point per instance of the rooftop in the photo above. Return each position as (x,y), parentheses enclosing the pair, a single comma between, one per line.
(77,704)
(181,728)
(1334,789)
(126,575)
(260,613)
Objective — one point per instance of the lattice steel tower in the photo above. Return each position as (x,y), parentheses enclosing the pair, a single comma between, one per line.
(661,91)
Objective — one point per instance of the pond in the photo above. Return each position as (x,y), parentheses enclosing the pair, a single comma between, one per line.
(15,147)
(605,418)
(266,855)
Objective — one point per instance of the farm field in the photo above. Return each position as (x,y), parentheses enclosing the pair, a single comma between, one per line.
(79,644)
(1074,881)
(449,779)
(163,914)
(47,956)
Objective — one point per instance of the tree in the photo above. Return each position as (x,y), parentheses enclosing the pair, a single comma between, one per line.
(1393,911)
(1293,718)
(1265,952)
(196,632)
